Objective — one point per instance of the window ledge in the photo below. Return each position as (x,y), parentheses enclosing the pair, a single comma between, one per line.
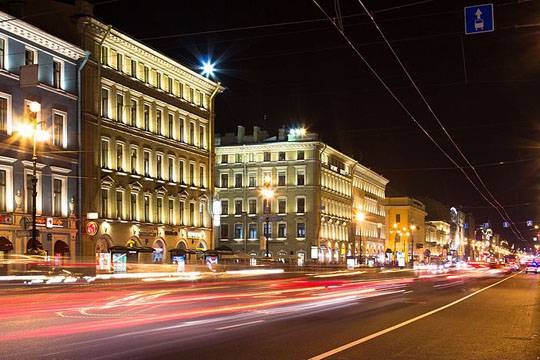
(107,170)
(300,238)
(135,176)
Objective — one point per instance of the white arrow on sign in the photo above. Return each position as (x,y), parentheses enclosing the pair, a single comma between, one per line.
(478,13)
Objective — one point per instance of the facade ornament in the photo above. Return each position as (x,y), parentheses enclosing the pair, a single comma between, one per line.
(72,206)
(18,201)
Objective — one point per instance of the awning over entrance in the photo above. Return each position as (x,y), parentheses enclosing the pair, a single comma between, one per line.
(5,244)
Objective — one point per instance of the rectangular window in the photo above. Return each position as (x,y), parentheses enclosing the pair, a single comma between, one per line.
(119,204)
(105,153)
(238,231)
(119,157)
(191,214)
(159,130)
(133,207)
(252,231)
(238,158)
(224,207)
(170,129)
(104,55)
(2,53)
(281,178)
(119,108)
(224,231)
(191,174)
(224,159)
(281,156)
(301,230)
(147,208)
(133,113)
(57,197)
(181,212)
(158,80)
(202,143)
(181,129)
(146,72)
(29,57)
(105,203)
(170,220)
(237,180)
(300,205)
(282,230)
(171,170)
(105,103)
(300,155)
(300,180)
(282,206)
(3,190)
(191,133)
(146,164)
(267,228)
(252,180)
(3,114)
(159,164)
(133,161)
(181,172)
(267,206)
(252,204)
(170,85)
(119,62)
(267,156)
(146,117)
(133,66)
(224,180)
(202,176)
(57,74)
(159,210)
(237,207)
(58,129)
(398,218)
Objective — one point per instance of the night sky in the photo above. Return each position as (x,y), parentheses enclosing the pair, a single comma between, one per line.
(298,70)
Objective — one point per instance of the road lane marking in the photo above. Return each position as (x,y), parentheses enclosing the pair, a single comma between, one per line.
(238,325)
(407,322)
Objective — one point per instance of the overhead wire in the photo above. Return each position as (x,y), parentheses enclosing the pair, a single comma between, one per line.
(402,105)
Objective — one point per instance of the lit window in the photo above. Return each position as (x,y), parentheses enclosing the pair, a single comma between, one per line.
(238,231)
(301,230)
(57,74)
(252,231)
(282,230)
(58,129)
(57,197)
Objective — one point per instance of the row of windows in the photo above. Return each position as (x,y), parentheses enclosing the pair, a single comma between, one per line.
(252,180)
(152,77)
(336,183)
(156,120)
(265,156)
(266,206)
(336,208)
(368,187)
(31,58)
(253,230)
(332,231)
(372,206)
(147,208)
(154,165)
(57,122)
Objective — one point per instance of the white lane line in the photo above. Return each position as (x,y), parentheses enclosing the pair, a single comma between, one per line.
(407,322)
(238,325)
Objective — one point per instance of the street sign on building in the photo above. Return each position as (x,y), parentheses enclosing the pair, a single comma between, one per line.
(479,19)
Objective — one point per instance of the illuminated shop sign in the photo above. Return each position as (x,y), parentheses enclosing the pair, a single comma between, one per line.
(195,234)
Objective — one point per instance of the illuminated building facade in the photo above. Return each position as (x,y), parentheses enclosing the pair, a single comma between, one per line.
(148,127)
(38,92)
(314,200)
(438,238)
(405,219)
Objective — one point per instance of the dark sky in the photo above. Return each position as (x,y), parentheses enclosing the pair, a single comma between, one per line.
(298,70)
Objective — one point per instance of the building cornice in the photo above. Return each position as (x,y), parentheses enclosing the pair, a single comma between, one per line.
(37,36)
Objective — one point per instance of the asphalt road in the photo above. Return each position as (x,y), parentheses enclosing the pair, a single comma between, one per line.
(465,315)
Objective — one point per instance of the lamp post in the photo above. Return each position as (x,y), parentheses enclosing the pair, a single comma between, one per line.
(32,129)
(360,217)
(396,234)
(267,193)
(412,227)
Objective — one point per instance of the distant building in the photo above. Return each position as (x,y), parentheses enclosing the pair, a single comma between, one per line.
(317,192)
(38,68)
(438,238)
(405,219)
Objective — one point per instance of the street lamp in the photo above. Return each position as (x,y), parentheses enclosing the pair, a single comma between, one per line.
(32,129)
(412,227)
(360,217)
(268,194)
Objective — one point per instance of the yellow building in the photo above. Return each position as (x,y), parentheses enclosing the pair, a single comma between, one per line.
(405,219)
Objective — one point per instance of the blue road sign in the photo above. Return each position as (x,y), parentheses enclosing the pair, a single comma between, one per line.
(479,19)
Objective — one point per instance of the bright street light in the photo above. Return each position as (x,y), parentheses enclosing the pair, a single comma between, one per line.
(208,68)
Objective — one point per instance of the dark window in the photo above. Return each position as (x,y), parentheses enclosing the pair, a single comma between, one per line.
(133,113)
(57,197)
(3,187)
(158,80)
(119,107)
(237,180)
(281,156)
(133,68)
(170,85)
(119,157)
(267,206)
(252,206)
(191,133)
(146,117)
(300,178)
(267,156)
(181,129)
(192,174)
(146,208)
(159,210)
(398,218)
(201,176)
(104,153)
(2,54)
(171,170)
(282,230)
(181,211)
(224,159)
(105,203)
(238,207)
(282,206)
(3,114)
(133,161)
(146,71)
(181,172)
(171,211)
(105,103)
(133,207)
(159,164)
(191,214)
(58,129)
(104,55)
(301,230)
(146,164)
(300,205)
(158,122)
(57,74)
(224,180)
(201,137)
(252,181)
(252,231)
(119,62)
(119,205)
(171,126)
(300,155)
(267,228)
(281,179)
(225,207)
(224,231)
(29,57)
(238,231)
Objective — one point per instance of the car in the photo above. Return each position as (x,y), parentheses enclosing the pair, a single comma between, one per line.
(532,267)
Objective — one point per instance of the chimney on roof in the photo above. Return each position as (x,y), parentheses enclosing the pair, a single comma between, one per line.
(282,135)
(256,133)
(241,131)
